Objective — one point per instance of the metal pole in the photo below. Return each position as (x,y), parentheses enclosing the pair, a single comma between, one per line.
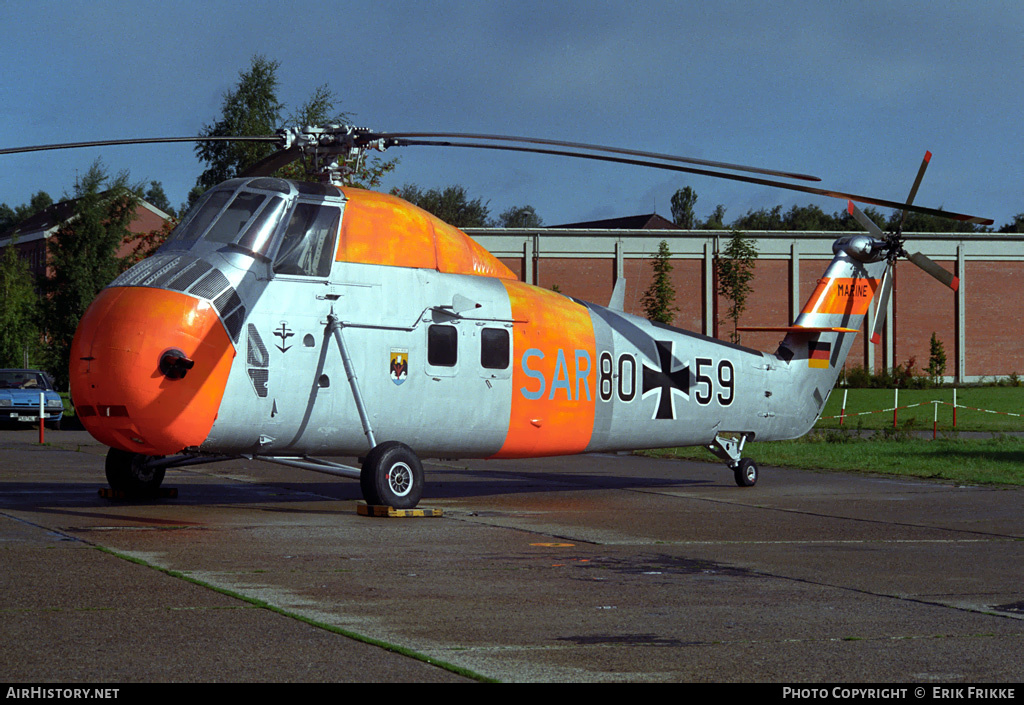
(42,416)
(334,325)
(895,406)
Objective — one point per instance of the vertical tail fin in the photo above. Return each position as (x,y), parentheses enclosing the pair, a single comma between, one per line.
(817,344)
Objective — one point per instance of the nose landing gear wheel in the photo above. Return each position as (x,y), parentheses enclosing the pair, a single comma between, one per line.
(746,473)
(128,473)
(392,476)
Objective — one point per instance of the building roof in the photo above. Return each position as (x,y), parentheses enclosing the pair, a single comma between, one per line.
(652,221)
(57,213)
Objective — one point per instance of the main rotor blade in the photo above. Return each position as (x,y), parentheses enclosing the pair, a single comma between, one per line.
(882,306)
(935,270)
(602,148)
(272,162)
(896,205)
(140,140)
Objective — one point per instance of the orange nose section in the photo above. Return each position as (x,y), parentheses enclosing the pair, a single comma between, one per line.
(123,397)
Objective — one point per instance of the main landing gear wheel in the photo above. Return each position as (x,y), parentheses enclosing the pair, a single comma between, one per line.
(745,472)
(127,472)
(392,475)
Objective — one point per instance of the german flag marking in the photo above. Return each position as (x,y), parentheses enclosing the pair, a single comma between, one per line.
(818,354)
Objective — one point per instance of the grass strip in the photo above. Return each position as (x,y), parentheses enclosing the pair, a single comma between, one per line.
(864,409)
(261,604)
(996,461)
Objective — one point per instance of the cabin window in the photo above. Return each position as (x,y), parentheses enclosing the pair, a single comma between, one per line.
(494,349)
(307,248)
(442,346)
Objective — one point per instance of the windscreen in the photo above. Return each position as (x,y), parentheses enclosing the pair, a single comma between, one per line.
(245,219)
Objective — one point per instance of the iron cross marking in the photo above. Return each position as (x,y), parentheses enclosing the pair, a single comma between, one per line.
(666,382)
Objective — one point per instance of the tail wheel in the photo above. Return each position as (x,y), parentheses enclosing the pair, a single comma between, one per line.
(129,473)
(746,473)
(392,476)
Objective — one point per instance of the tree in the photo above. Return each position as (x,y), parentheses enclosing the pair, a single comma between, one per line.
(251,109)
(659,299)
(519,217)
(451,205)
(735,268)
(12,217)
(1014,226)
(715,221)
(684,201)
(83,257)
(321,109)
(936,360)
(19,330)
(156,197)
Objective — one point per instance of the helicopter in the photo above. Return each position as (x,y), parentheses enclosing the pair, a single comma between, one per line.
(292,322)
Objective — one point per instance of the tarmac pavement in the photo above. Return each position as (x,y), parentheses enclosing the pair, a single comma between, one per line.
(589,568)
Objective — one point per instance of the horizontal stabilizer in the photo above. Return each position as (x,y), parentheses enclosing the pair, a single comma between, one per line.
(797,329)
(618,300)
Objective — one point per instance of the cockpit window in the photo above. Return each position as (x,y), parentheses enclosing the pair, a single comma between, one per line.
(223,216)
(197,220)
(231,221)
(307,248)
(257,236)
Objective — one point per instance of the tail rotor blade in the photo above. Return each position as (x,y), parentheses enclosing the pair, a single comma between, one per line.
(913,189)
(935,270)
(882,307)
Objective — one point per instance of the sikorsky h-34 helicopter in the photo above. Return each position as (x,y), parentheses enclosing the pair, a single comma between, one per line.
(286,320)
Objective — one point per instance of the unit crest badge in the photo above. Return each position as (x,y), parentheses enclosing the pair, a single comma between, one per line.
(399,370)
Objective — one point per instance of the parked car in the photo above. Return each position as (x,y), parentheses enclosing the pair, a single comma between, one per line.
(19,397)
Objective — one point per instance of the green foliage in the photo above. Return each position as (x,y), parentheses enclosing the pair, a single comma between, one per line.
(904,375)
(451,205)
(735,269)
(684,201)
(659,299)
(83,258)
(19,330)
(11,217)
(715,221)
(936,360)
(1014,226)
(520,217)
(252,108)
(322,109)
(156,197)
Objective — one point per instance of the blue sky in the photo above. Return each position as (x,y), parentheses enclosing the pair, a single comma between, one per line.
(853,92)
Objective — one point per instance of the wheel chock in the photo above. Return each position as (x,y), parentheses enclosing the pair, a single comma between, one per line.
(382,510)
(161,493)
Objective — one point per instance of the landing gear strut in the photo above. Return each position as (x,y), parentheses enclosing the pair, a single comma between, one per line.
(730,449)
